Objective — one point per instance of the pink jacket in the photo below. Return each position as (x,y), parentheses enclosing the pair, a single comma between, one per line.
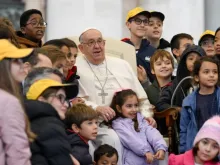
(14,145)
(185,159)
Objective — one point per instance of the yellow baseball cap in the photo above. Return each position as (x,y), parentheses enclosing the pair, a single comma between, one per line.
(38,87)
(8,50)
(137,11)
(206,33)
(158,15)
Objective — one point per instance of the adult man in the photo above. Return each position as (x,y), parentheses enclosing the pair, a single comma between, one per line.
(101,77)
(32,29)
(137,22)
(206,41)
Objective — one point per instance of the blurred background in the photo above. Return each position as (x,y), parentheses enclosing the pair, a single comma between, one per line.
(70,17)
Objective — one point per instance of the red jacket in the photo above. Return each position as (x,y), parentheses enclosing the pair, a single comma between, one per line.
(186,159)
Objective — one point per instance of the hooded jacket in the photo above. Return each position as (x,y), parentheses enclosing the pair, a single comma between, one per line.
(26,43)
(143,56)
(182,91)
(51,147)
(80,148)
(163,44)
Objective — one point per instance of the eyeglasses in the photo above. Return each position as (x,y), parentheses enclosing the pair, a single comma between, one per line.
(61,98)
(207,43)
(92,43)
(36,24)
(139,21)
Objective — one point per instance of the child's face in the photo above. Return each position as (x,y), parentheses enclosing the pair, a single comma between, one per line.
(190,60)
(105,160)
(89,129)
(163,68)
(207,150)
(217,43)
(32,28)
(59,64)
(130,107)
(208,74)
(184,42)
(137,29)
(154,29)
(208,45)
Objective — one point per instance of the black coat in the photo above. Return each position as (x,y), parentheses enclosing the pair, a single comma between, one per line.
(80,149)
(51,147)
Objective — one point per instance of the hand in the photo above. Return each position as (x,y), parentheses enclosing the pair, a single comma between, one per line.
(106,112)
(77,100)
(141,73)
(160,155)
(152,122)
(75,162)
(149,157)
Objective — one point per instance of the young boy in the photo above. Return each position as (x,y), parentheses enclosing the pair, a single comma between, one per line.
(155,29)
(162,65)
(82,126)
(105,154)
(178,44)
(206,41)
(32,27)
(137,21)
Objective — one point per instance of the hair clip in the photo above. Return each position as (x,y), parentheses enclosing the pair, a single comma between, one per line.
(120,90)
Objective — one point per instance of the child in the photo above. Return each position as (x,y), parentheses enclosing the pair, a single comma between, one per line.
(105,154)
(142,143)
(82,126)
(137,21)
(217,42)
(206,146)
(202,103)
(155,29)
(185,68)
(206,41)
(162,67)
(32,27)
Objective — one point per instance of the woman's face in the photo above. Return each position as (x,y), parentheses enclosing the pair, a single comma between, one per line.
(59,102)
(217,42)
(17,70)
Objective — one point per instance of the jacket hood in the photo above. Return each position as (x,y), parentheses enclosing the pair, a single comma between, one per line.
(38,109)
(182,70)
(144,42)
(24,42)
(163,44)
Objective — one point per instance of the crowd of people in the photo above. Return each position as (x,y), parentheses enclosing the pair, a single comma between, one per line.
(59,108)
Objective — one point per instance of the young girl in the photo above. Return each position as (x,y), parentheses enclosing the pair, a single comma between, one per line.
(217,42)
(206,146)
(142,143)
(14,127)
(202,103)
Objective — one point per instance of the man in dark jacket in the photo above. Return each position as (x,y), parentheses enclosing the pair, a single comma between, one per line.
(137,21)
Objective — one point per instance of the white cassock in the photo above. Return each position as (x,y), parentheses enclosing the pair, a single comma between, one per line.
(119,76)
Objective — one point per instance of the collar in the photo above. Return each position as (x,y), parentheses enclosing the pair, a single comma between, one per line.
(82,138)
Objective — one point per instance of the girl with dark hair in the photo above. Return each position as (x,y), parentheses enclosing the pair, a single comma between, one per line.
(202,104)
(142,144)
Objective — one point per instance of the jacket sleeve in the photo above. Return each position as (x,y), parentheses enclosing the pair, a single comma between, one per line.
(155,138)
(165,99)
(54,145)
(12,126)
(130,139)
(184,121)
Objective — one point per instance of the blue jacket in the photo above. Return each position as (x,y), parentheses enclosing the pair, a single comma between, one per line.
(188,124)
(143,56)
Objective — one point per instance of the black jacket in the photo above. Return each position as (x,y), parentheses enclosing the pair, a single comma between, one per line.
(80,149)
(51,147)
(182,72)
(163,44)
(143,56)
